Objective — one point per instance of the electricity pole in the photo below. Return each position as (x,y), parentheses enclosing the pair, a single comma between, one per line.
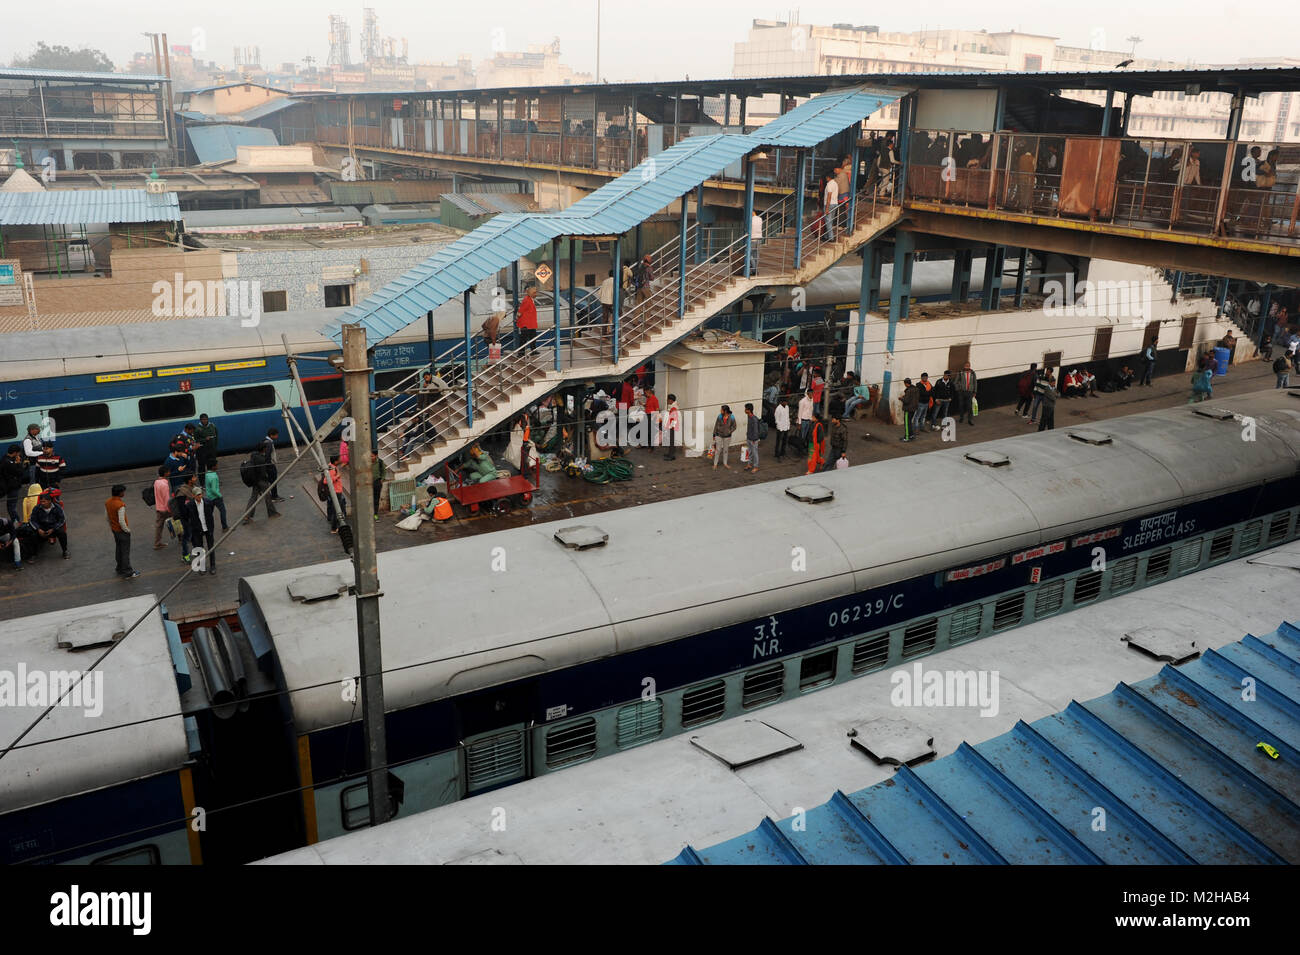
(356,378)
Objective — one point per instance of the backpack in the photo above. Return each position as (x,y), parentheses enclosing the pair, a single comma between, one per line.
(147,493)
(250,471)
(322,492)
(1279,365)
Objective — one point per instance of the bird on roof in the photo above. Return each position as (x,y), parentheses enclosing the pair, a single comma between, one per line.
(1124,64)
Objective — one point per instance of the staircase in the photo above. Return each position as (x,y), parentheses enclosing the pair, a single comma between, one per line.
(521,378)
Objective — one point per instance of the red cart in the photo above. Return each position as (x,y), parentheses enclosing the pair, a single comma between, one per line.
(501,494)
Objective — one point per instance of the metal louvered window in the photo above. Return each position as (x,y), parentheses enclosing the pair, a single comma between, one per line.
(571,744)
(1087,586)
(1221,546)
(494,760)
(1158,564)
(871,653)
(1189,556)
(919,637)
(965,623)
(639,722)
(1123,574)
(1278,527)
(703,704)
(1250,536)
(1008,611)
(763,685)
(817,669)
(1049,598)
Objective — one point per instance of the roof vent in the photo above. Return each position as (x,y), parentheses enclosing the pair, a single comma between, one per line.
(895,741)
(1162,644)
(1090,437)
(990,459)
(811,493)
(313,587)
(1219,414)
(89,632)
(581,537)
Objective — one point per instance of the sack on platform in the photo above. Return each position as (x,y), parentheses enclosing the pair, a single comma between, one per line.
(744,454)
(974,407)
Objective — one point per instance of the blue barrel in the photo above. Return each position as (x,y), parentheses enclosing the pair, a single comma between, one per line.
(1221,356)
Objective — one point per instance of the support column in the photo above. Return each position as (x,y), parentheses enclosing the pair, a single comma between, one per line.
(800,170)
(1020,277)
(699,223)
(677,118)
(961,270)
(905,109)
(501,128)
(1128,111)
(637,243)
(681,264)
(1223,296)
(726,110)
(868,295)
(748,218)
(743,102)
(1105,113)
(631,134)
(528,132)
(564,123)
(999,108)
(514,285)
(595,121)
(856,133)
(573,300)
(900,293)
(618,289)
(428,318)
(991,296)
(1265,302)
(555,298)
(469,369)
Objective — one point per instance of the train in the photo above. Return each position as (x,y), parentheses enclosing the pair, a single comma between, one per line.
(523,652)
(113,396)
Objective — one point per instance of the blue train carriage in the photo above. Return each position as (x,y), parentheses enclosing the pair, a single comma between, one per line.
(109,778)
(510,655)
(117,394)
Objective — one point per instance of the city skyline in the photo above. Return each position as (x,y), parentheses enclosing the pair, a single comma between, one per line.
(636,42)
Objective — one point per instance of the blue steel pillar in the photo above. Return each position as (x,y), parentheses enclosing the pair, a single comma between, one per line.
(748,219)
(618,289)
(469,368)
(573,294)
(1105,113)
(800,170)
(699,223)
(555,299)
(904,143)
(999,108)
(639,252)
(961,269)
(900,292)
(856,132)
(681,264)
(868,294)
(1020,277)
(991,297)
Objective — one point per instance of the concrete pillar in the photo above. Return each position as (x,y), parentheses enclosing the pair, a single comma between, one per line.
(747,221)
(800,171)
(868,294)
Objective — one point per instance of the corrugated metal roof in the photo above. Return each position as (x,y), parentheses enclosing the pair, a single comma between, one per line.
(387,193)
(77,206)
(218,143)
(22,73)
(613,209)
(489,203)
(1165,771)
(266,109)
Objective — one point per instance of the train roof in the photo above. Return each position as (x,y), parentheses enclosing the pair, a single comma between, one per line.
(97,349)
(144,732)
(644,805)
(453,624)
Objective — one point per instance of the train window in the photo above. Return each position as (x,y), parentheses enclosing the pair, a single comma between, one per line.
(275,301)
(1049,598)
(1278,527)
(704,703)
(354,803)
(323,389)
(166,407)
(136,855)
(1189,555)
(1008,611)
(1123,574)
(388,380)
(8,427)
(817,669)
(571,743)
(965,623)
(1158,564)
(871,653)
(639,722)
(763,685)
(494,760)
(1250,536)
(1221,545)
(919,637)
(79,418)
(248,399)
(1087,586)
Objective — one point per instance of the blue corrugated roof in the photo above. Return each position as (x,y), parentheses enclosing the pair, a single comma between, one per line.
(1162,771)
(218,143)
(77,206)
(613,209)
(24,73)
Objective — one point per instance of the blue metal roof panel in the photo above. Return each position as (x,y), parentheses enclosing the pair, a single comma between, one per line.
(824,116)
(78,206)
(1169,767)
(219,143)
(24,73)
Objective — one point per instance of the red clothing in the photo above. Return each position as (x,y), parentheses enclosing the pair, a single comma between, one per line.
(816,389)
(625,396)
(527,317)
(336,479)
(651,404)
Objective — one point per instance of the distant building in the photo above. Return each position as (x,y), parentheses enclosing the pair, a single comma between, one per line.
(538,66)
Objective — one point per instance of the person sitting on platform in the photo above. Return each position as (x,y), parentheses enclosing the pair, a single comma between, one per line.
(1072,386)
(479,467)
(1125,378)
(1088,381)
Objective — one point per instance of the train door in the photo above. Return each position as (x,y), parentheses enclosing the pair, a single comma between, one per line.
(494,736)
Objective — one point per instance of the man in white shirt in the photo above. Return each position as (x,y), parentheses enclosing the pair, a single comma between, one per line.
(33,448)
(830,206)
(805,417)
(781,416)
(606,295)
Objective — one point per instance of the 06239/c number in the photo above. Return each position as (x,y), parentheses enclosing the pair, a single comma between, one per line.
(865,611)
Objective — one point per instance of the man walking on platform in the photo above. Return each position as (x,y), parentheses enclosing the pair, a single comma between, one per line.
(965,389)
(752,432)
(116,508)
(206,433)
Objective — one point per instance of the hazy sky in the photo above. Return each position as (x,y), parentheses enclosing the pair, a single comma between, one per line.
(663,39)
